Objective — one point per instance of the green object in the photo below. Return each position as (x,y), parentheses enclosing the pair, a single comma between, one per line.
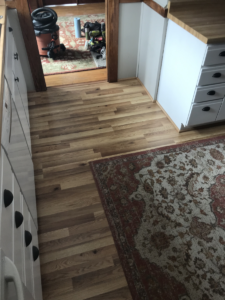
(94,33)
(87,33)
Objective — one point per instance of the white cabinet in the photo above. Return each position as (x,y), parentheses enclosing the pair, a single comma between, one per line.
(192,81)
(221,114)
(6,224)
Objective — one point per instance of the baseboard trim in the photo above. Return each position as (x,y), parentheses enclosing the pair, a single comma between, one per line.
(146,90)
(168,117)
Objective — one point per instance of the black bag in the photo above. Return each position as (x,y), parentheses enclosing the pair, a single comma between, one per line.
(92,26)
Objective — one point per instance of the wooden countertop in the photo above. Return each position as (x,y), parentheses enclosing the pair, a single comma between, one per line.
(205,19)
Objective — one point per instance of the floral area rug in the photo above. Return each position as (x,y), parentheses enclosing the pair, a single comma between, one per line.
(166,210)
(75,58)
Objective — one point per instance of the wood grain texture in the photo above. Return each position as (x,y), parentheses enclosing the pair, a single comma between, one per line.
(2,59)
(76,78)
(31,44)
(203,19)
(78,256)
(156,7)
(112,35)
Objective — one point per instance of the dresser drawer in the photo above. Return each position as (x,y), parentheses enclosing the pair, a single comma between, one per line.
(212,75)
(204,113)
(221,114)
(215,55)
(214,92)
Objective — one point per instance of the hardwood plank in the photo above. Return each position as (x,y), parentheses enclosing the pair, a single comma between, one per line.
(75,241)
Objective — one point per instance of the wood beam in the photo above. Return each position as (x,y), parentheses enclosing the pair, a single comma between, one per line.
(156,7)
(30,43)
(112,33)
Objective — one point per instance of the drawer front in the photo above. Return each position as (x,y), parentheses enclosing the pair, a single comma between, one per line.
(27,250)
(20,81)
(18,230)
(9,60)
(212,75)
(215,55)
(36,263)
(21,112)
(6,218)
(221,114)
(209,93)
(204,113)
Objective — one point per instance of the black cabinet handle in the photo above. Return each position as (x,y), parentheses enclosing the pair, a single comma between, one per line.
(28,238)
(8,198)
(217,75)
(207,108)
(222,53)
(211,93)
(10,29)
(16,56)
(18,219)
(17,79)
(35,253)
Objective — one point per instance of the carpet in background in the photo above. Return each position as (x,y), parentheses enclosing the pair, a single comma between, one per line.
(166,210)
(75,58)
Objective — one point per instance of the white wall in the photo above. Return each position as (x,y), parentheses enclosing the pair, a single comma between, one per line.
(151,45)
(20,45)
(163,3)
(129,24)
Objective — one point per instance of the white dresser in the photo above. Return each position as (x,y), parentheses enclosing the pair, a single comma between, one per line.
(19,264)
(192,82)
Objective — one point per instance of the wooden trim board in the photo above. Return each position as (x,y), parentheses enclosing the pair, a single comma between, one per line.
(112,35)
(156,7)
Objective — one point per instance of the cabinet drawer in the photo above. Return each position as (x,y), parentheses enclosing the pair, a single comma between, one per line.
(36,262)
(215,55)
(212,75)
(18,230)
(209,93)
(6,217)
(9,60)
(27,249)
(204,113)
(221,114)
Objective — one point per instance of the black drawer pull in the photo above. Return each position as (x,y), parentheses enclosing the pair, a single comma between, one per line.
(217,75)
(10,29)
(18,219)
(8,198)
(35,253)
(211,93)
(16,56)
(17,79)
(28,238)
(207,108)
(222,53)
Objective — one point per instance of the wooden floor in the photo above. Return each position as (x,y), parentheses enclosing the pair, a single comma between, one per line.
(70,126)
(85,76)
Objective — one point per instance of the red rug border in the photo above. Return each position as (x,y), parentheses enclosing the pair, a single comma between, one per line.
(92,163)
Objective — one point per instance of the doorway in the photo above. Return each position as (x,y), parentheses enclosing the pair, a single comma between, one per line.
(77,64)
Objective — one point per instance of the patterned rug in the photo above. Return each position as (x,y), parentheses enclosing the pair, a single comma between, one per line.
(166,210)
(75,58)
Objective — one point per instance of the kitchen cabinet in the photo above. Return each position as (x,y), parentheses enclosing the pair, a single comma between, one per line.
(192,81)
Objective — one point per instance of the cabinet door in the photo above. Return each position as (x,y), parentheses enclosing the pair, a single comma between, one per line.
(22,164)
(36,262)
(221,114)
(20,81)
(6,223)
(21,112)
(27,249)
(18,230)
